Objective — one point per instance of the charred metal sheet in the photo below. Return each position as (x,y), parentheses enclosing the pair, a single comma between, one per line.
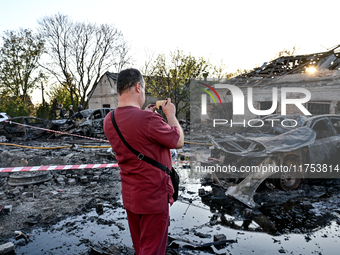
(264,146)
(289,141)
(245,191)
(15,130)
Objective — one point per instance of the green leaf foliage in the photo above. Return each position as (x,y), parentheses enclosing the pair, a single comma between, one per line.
(19,56)
(16,106)
(169,77)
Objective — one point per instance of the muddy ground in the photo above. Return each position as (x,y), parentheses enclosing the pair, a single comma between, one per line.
(69,215)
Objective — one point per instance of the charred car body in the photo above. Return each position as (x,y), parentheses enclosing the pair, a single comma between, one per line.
(93,120)
(287,155)
(91,124)
(17,127)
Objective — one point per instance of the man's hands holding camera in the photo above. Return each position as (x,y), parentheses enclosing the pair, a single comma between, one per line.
(150,107)
(166,106)
(169,110)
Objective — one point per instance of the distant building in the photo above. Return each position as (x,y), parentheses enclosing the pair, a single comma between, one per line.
(104,94)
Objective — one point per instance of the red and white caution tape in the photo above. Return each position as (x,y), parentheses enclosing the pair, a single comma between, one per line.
(74,167)
(60,167)
(59,132)
(70,167)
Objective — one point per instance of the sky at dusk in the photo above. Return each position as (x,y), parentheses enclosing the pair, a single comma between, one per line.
(243,34)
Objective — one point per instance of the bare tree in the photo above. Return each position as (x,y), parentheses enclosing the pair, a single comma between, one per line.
(81,52)
(149,58)
(124,57)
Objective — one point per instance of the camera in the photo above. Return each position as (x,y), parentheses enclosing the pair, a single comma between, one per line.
(159,104)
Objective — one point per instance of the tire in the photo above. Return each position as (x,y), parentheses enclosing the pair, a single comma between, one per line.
(287,181)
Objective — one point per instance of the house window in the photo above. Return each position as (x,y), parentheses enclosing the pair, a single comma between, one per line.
(106,105)
(318,108)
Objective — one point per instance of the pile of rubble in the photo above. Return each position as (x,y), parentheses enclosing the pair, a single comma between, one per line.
(52,194)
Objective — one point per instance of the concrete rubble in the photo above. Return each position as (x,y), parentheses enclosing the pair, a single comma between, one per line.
(61,194)
(6,248)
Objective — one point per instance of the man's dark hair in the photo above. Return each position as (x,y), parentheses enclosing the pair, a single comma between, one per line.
(128,78)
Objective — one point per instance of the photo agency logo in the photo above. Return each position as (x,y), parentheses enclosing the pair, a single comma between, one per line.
(204,97)
(238,104)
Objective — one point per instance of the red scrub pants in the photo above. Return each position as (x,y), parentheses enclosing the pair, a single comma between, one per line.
(149,232)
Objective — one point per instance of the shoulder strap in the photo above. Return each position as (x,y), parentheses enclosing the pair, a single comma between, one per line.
(139,155)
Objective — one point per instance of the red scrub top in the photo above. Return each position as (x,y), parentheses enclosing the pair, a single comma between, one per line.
(145,189)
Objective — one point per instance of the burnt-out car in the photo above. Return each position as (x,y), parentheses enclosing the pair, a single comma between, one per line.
(285,149)
(92,123)
(88,123)
(26,127)
(19,127)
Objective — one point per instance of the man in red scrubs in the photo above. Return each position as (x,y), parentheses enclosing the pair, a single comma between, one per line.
(146,190)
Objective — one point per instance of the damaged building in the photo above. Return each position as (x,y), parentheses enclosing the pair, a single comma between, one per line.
(290,138)
(104,93)
(318,73)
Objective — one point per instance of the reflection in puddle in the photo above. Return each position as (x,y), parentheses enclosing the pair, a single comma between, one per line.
(75,234)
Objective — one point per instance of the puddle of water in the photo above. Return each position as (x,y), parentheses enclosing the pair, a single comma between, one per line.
(69,236)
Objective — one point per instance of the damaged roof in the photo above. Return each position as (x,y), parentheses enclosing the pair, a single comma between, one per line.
(327,62)
(113,76)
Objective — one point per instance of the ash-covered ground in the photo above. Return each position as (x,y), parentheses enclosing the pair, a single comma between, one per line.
(63,192)
(81,212)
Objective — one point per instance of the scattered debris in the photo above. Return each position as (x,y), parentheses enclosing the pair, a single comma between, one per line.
(201,192)
(20,128)
(219,237)
(35,221)
(177,241)
(307,205)
(112,250)
(8,208)
(20,235)
(68,208)
(100,208)
(6,248)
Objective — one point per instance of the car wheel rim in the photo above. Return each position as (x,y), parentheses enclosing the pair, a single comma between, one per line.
(289,181)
